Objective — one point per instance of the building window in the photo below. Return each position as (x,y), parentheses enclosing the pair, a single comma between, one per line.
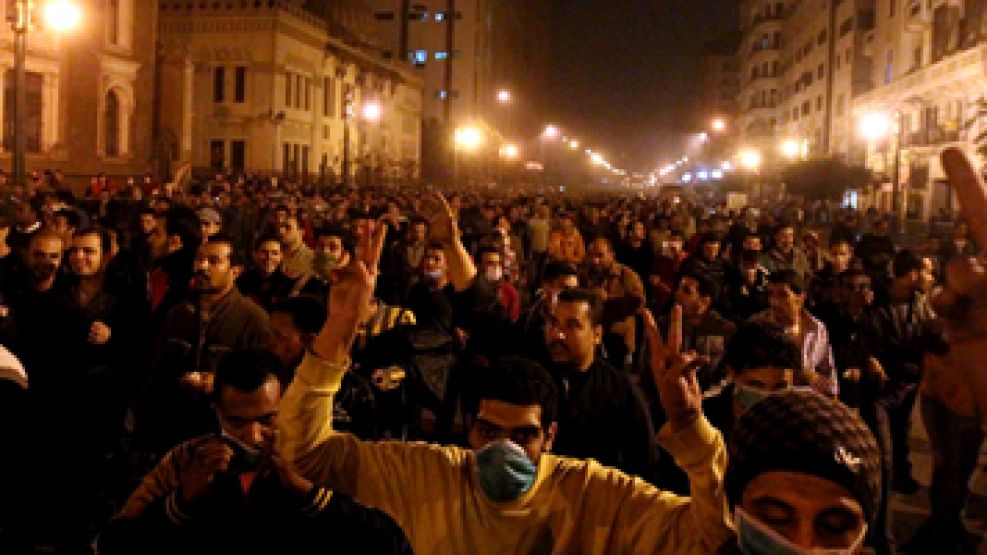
(32,128)
(819,71)
(111,125)
(305,152)
(217,155)
(238,156)
(289,81)
(840,105)
(384,16)
(219,84)
(889,67)
(240,85)
(891,7)
(113,22)
(328,97)
(286,159)
(442,55)
(819,103)
(308,94)
(821,39)
(419,57)
(806,107)
(299,93)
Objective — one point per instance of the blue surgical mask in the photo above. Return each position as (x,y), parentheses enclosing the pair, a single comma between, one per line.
(756,538)
(747,396)
(504,470)
(248,456)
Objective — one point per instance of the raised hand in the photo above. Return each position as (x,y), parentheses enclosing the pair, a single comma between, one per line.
(954,377)
(442,225)
(210,457)
(674,371)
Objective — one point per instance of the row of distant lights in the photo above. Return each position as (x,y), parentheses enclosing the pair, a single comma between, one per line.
(702,175)
(552,132)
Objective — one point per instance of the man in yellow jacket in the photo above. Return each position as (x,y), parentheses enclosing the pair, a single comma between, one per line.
(508,494)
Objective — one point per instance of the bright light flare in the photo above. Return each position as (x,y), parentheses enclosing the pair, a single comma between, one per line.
(372,112)
(504,96)
(574,144)
(750,159)
(551,132)
(62,15)
(790,148)
(468,137)
(718,125)
(509,152)
(874,125)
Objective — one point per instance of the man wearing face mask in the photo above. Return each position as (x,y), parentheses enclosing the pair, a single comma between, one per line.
(492,268)
(231,492)
(507,493)
(665,270)
(804,477)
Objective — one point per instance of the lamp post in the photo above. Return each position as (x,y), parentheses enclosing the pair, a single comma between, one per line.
(875,126)
(60,15)
(348,113)
(750,160)
(468,138)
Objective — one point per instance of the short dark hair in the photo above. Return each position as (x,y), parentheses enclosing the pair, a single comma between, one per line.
(71,216)
(556,269)
(246,370)
(345,236)
(906,261)
(267,239)
(709,237)
(788,277)
(706,286)
(105,239)
(236,257)
(593,300)
(308,313)
(519,381)
(182,222)
(761,345)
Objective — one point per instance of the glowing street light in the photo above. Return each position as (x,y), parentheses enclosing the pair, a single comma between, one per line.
(726,165)
(372,112)
(790,148)
(874,125)
(509,152)
(504,96)
(574,144)
(718,125)
(750,159)
(468,137)
(62,15)
(551,132)
(597,159)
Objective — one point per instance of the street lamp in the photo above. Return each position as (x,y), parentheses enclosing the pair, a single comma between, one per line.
(509,152)
(551,132)
(750,160)
(372,112)
(467,138)
(790,148)
(875,126)
(574,144)
(59,15)
(718,125)
(504,96)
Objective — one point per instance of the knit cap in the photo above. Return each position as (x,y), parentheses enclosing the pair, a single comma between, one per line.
(802,431)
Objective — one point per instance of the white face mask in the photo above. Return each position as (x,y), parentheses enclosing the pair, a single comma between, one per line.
(494,274)
(757,538)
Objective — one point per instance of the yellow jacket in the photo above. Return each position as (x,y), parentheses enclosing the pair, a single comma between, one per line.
(573,507)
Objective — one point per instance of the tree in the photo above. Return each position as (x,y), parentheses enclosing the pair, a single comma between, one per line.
(823,179)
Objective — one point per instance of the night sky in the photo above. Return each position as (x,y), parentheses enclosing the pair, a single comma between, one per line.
(623,71)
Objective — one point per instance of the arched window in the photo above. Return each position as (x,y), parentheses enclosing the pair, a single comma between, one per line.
(111,125)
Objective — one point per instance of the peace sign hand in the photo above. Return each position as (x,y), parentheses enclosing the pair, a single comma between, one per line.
(674,371)
(442,225)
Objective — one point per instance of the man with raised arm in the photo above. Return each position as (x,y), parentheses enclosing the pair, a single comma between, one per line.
(508,493)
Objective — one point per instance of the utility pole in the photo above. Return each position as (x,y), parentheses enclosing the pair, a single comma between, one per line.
(20,26)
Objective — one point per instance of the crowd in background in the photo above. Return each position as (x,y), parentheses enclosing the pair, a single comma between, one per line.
(125,310)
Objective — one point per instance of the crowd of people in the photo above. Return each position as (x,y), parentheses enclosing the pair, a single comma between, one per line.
(253,366)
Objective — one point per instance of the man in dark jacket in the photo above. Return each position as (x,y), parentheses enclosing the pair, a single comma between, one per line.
(230,492)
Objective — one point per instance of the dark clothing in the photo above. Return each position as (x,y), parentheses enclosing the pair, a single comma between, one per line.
(639,258)
(741,301)
(716,270)
(602,416)
(876,252)
(265,290)
(265,519)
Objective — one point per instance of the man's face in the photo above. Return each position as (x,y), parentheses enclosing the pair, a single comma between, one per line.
(570,335)
(287,342)
(840,255)
(289,232)
(44,257)
(213,271)
(86,255)
(157,241)
(882,228)
(490,264)
(567,225)
(434,261)
(60,225)
(693,303)
(147,224)
(331,245)
(209,228)
(711,250)
(809,511)
(250,417)
(600,257)
(268,256)
(753,243)
(858,291)
(786,305)
(785,238)
(419,232)
(496,420)
(638,231)
(769,379)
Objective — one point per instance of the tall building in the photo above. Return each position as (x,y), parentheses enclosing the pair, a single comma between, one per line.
(930,83)
(89,92)
(720,88)
(268,87)
(760,56)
